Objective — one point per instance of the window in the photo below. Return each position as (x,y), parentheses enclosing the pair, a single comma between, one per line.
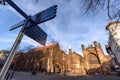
(93,59)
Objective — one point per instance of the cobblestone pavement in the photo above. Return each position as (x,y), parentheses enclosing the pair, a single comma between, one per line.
(40,76)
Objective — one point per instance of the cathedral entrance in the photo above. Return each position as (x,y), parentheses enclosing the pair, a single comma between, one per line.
(94,63)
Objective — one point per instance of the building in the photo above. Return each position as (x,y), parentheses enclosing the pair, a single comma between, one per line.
(113,46)
(75,64)
(46,59)
(4,54)
(52,59)
(95,59)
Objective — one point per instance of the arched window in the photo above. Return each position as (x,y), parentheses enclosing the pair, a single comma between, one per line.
(93,59)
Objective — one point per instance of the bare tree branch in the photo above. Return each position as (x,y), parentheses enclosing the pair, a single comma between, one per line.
(112,6)
(108,11)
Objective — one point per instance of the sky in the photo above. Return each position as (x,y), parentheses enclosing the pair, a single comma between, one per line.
(70,27)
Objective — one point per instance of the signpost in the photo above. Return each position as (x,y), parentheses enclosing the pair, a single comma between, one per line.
(30,28)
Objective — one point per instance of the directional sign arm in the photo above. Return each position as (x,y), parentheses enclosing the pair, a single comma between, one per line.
(45,15)
(17,25)
(38,18)
(36,34)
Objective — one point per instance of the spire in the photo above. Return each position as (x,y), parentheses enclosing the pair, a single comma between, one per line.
(99,44)
(95,43)
(83,47)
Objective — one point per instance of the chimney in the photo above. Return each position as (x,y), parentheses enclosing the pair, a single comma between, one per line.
(70,50)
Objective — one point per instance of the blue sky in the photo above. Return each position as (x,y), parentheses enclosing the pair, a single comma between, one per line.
(70,28)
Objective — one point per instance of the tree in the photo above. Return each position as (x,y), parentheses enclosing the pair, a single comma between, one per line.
(27,48)
(112,7)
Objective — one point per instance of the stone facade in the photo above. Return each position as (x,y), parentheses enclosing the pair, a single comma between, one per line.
(75,64)
(52,59)
(4,54)
(95,59)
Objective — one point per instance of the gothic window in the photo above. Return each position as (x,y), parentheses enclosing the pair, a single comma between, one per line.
(93,59)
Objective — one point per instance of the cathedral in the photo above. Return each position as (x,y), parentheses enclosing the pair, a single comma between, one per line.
(93,61)
(51,59)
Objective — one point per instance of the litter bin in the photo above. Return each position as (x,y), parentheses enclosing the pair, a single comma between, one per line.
(34,72)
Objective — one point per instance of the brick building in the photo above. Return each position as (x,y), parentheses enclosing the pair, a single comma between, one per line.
(47,58)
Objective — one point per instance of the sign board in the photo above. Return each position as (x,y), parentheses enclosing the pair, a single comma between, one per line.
(38,18)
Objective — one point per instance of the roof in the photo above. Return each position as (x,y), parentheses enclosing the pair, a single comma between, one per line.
(46,47)
(111,24)
(75,53)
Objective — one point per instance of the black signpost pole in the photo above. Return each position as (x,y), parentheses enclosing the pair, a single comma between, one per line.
(13,51)
(10,2)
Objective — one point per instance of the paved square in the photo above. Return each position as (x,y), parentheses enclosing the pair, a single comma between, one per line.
(40,76)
